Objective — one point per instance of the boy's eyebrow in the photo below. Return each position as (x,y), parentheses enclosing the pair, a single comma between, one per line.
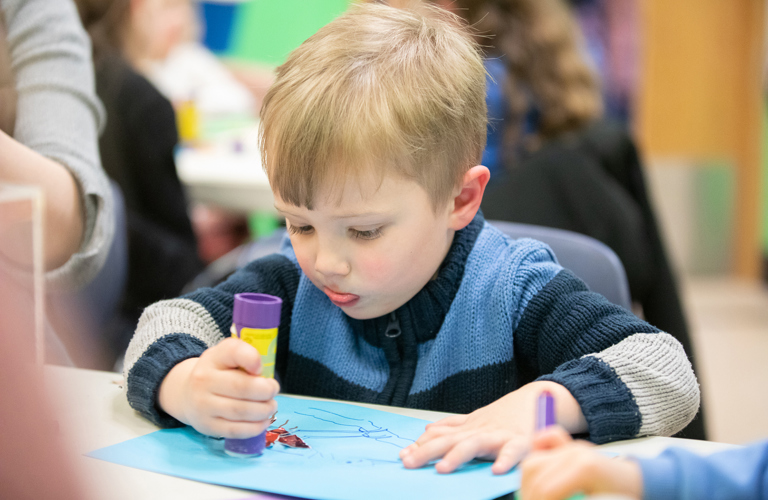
(342,216)
(364,214)
(281,211)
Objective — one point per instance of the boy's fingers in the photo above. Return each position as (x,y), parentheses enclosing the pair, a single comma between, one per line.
(481,445)
(237,384)
(564,472)
(452,421)
(234,353)
(556,481)
(245,411)
(537,476)
(432,450)
(509,456)
(551,437)
(431,433)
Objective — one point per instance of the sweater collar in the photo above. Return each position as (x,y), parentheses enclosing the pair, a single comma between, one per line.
(423,315)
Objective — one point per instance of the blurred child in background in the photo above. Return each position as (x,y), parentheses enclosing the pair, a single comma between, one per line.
(137,149)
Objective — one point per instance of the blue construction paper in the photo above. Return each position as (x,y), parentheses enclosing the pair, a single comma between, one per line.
(353,454)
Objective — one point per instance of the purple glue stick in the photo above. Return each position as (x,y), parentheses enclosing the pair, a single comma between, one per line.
(255,319)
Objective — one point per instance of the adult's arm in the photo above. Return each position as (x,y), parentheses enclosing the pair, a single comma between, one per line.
(59,117)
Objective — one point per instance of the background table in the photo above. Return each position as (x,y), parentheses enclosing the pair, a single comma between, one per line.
(92,411)
(228,179)
(224,167)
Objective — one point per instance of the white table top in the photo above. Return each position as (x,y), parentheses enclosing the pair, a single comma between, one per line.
(92,410)
(228,179)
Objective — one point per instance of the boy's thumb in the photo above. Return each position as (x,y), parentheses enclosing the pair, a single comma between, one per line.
(242,355)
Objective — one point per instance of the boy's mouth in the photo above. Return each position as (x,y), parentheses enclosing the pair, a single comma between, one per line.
(341,299)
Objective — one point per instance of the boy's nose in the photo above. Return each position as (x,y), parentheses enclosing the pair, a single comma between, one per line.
(331,263)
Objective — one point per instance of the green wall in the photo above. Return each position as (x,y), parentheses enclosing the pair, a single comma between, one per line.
(266,31)
(764,194)
(714,194)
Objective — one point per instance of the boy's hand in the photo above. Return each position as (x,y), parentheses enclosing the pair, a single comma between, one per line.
(221,393)
(503,431)
(559,468)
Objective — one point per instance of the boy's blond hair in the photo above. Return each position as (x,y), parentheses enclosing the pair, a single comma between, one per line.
(378,90)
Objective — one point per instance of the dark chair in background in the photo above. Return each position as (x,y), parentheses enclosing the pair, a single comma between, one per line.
(592,261)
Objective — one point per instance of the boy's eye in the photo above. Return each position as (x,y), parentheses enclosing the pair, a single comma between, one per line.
(370,234)
(299,229)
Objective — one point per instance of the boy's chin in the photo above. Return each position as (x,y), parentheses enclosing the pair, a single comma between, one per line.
(365,313)
(360,315)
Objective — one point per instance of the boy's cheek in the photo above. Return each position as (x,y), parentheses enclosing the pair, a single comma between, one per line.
(376,268)
(305,263)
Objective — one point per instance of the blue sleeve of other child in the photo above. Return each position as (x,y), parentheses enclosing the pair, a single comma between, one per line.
(740,473)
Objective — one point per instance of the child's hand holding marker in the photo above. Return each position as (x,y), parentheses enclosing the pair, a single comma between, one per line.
(221,393)
(559,468)
(503,431)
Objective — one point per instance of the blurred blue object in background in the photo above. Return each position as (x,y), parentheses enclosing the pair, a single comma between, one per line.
(218,17)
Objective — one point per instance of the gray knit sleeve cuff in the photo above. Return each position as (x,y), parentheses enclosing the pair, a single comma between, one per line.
(159,344)
(642,386)
(147,374)
(655,369)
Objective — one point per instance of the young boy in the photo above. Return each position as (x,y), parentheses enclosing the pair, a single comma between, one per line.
(395,290)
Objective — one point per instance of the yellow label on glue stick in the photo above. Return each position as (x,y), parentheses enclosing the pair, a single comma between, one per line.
(265,341)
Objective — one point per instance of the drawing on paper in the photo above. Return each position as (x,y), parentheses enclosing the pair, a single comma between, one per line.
(337,438)
(352,428)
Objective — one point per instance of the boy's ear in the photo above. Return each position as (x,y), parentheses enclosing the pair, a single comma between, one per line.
(470,193)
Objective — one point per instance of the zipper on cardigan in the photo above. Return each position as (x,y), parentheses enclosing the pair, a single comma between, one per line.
(393,327)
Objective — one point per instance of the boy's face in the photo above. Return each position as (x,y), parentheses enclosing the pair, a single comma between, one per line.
(373,251)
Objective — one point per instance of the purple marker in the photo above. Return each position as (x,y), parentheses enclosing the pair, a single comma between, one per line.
(545,417)
(545,411)
(255,319)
